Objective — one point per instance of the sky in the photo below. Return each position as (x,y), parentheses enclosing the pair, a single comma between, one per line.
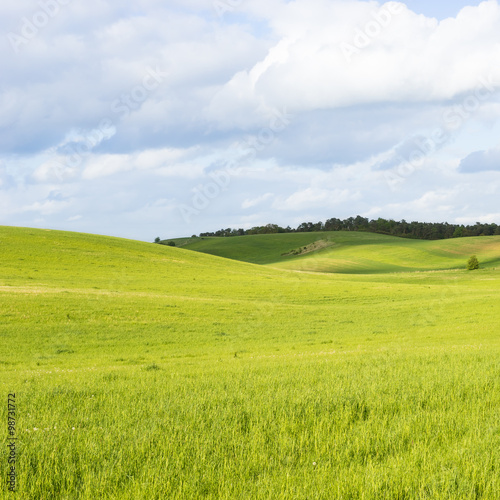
(171,118)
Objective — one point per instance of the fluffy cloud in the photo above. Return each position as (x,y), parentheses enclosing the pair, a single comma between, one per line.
(250,203)
(394,56)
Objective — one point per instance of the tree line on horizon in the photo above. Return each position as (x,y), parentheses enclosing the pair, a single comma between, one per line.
(415,230)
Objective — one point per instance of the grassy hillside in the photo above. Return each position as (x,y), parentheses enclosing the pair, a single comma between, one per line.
(350,252)
(145,371)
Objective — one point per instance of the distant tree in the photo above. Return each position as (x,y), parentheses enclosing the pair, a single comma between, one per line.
(489,230)
(307,227)
(361,223)
(157,239)
(472,263)
(333,225)
(414,229)
(171,243)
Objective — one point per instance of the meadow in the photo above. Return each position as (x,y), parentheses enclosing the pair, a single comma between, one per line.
(143,371)
(349,252)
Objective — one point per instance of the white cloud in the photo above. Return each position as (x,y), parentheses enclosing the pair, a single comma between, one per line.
(48,207)
(165,162)
(483,218)
(250,203)
(412,59)
(312,198)
(54,171)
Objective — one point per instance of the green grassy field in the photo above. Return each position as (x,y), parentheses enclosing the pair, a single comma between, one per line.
(143,371)
(350,252)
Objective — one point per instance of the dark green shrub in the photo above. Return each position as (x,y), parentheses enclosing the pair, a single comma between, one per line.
(472,263)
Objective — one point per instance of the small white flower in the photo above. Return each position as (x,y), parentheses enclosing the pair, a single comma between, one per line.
(314,463)
(35,429)
(73,428)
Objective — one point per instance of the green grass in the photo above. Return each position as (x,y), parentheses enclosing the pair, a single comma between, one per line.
(157,372)
(351,252)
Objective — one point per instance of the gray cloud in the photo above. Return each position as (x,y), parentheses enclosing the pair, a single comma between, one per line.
(481,161)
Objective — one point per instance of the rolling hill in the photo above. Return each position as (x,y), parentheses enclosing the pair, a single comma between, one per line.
(350,252)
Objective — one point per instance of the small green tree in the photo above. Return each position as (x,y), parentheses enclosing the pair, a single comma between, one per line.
(171,243)
(157,239)
(472,263)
